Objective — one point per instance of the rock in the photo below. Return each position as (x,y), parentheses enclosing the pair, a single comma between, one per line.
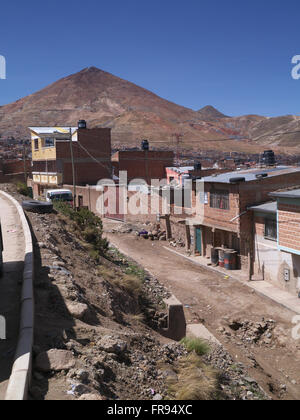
(112,345)
(91,397)
(80,389)
(82,375)
(77,310)
(55,360)
(157,397)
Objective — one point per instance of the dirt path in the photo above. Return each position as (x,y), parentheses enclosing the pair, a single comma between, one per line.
(10,287)
(210,298)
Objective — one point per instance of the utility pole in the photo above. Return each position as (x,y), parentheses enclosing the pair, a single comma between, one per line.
(25,163)
(73,169)
(178,140)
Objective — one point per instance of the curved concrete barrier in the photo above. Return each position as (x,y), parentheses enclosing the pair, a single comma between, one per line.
(21,372)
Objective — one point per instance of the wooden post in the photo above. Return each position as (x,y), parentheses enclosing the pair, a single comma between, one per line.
(168,227)
(188,237)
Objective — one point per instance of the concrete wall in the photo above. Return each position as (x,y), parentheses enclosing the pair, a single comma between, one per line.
(270,262)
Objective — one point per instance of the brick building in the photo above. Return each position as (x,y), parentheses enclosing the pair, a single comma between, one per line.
(277,240)
(14,169)
(178,175)
(226,222)
(51,156)
(142,164)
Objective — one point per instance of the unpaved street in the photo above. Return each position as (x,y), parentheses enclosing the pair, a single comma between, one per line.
(10,286)
(212,299)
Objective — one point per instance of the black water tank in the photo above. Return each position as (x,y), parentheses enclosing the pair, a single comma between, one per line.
(82,124)
(145,145)
(237,180)
(197,166)
(269,158)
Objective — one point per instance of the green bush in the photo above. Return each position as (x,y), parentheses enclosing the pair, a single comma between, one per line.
(200,347)
(89,226)
(24,190)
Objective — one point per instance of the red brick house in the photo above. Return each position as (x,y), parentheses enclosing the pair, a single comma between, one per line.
(51,156)
(226,221)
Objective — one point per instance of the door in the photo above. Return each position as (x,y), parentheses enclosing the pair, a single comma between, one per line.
(199,241)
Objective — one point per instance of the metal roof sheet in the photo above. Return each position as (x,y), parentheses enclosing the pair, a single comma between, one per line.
(270,207)
(250,174)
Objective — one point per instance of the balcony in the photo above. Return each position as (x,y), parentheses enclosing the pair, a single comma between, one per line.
(47,178)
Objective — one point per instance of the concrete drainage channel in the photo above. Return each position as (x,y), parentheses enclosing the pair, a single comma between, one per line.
(21,372)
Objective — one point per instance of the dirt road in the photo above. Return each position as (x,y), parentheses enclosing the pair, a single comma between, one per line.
(10,287)
(210,298)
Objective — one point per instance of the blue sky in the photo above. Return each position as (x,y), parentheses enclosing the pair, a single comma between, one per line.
(235,55)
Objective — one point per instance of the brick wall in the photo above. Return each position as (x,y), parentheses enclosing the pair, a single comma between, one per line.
(289,226)
(259,225)
(97,142)
(143,164)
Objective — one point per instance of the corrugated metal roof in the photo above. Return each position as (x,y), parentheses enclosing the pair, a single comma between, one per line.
(182,169)
(53,130)
(250,174)
(286,194)
(270,207)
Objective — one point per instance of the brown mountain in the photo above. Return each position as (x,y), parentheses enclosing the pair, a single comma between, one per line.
(135,113)
(210,113)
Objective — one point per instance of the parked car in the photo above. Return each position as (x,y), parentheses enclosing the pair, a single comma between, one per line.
(59,195)
(1,251)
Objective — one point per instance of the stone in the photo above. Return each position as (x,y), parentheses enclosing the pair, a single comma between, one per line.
(55,360)
(80,389)
(157,397)
(77,310)
(110,344)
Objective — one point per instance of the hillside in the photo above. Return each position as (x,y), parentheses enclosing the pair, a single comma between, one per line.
(135,113)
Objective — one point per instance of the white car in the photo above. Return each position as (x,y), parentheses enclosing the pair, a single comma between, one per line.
(59,195)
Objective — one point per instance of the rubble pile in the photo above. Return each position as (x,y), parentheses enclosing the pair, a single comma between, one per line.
(250,332)
(235,382)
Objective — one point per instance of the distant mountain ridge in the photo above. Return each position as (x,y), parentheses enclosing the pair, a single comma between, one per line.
(134,113)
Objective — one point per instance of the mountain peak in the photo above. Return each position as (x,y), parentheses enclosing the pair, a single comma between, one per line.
(209,112)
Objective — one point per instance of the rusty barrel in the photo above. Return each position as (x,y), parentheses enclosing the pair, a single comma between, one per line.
(230,259)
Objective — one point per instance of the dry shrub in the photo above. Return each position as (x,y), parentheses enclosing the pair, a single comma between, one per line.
(196,381)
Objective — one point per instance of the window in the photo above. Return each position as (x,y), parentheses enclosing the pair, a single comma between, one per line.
(36,144)
(271,229)
(49,142)
(219,200)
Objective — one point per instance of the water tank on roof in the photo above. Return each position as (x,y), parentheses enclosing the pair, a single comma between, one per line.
(82,124)
(145,145)
(268,158)
(197,166)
